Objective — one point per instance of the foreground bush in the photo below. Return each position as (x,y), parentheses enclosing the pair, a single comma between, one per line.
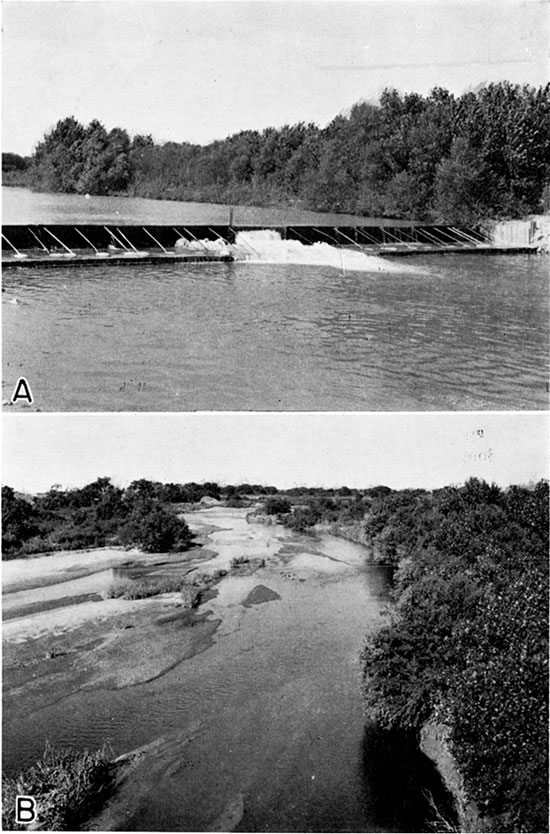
(67,786)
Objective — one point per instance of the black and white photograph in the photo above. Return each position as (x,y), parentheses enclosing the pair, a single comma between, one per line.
(275,416)
(276,623)
(288,206)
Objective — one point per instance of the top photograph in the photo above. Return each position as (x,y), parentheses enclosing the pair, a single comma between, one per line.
(275,206)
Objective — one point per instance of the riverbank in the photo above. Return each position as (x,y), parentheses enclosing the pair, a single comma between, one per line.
(435,743)
(433,739)
(463,659)
(438,668)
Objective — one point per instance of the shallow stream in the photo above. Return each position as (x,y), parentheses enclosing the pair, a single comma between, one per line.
(263,729)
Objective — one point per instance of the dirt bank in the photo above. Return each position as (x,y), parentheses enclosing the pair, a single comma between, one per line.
(435,743)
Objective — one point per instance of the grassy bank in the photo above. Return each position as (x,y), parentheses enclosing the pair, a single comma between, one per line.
(68,788)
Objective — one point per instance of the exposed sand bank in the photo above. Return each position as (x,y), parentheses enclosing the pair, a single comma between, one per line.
(61,632)
(61,591)
(39,571)
(68,617)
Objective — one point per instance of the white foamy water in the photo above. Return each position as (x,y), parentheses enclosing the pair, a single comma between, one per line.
(267,246)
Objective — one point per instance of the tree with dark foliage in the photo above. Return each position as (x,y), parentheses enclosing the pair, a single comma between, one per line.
(467,644)
(440,158)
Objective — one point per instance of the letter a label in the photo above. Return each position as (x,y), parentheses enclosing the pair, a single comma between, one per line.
(25,810)
(22,391)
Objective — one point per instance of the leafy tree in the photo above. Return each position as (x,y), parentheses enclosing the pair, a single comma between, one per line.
(19,521)
(276,505)
(457,185)
(14,162)
(155,530)
(58,159)
(142,489)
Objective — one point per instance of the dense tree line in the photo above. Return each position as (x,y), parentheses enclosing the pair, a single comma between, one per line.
(15,169)
(143,515)
(94,516)
(338,508)
(440,158)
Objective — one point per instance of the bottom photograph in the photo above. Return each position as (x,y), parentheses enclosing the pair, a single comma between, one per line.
(275,622)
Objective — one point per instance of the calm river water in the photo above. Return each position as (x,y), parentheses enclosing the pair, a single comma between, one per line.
(434,333)
(264,730)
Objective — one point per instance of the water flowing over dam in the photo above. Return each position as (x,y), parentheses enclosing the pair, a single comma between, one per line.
(268,246)
(277,310)
(47,245)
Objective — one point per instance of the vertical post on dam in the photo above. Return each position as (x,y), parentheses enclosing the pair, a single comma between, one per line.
(230,231)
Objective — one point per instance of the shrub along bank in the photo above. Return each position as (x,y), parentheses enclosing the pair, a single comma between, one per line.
(467,642)
(99,514)
(145,515)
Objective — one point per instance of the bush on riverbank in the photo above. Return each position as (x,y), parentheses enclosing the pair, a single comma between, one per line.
(68,788)
(147,515)
(244,565)
(152,586)
(467,643)
(276,505)
(154,529)
(96,515)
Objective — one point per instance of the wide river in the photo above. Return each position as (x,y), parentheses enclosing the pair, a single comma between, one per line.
(290,330)
(261,730)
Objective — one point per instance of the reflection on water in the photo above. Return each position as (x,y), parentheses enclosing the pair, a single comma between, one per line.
(464,332)
(21,206)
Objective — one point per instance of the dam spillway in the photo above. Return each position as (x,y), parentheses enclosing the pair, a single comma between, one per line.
(50,245)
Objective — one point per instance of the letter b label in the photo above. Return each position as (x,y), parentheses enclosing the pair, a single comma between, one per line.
(25,810)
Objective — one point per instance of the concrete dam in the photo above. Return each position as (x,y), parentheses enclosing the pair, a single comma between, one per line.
(54,244)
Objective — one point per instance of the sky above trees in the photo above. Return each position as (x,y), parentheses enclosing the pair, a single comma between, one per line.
(313,449)
(197,71)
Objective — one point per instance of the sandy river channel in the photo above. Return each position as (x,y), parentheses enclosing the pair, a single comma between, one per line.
(247,714)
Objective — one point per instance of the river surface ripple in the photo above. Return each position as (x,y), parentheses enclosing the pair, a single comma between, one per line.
(267,720)
(459,332)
